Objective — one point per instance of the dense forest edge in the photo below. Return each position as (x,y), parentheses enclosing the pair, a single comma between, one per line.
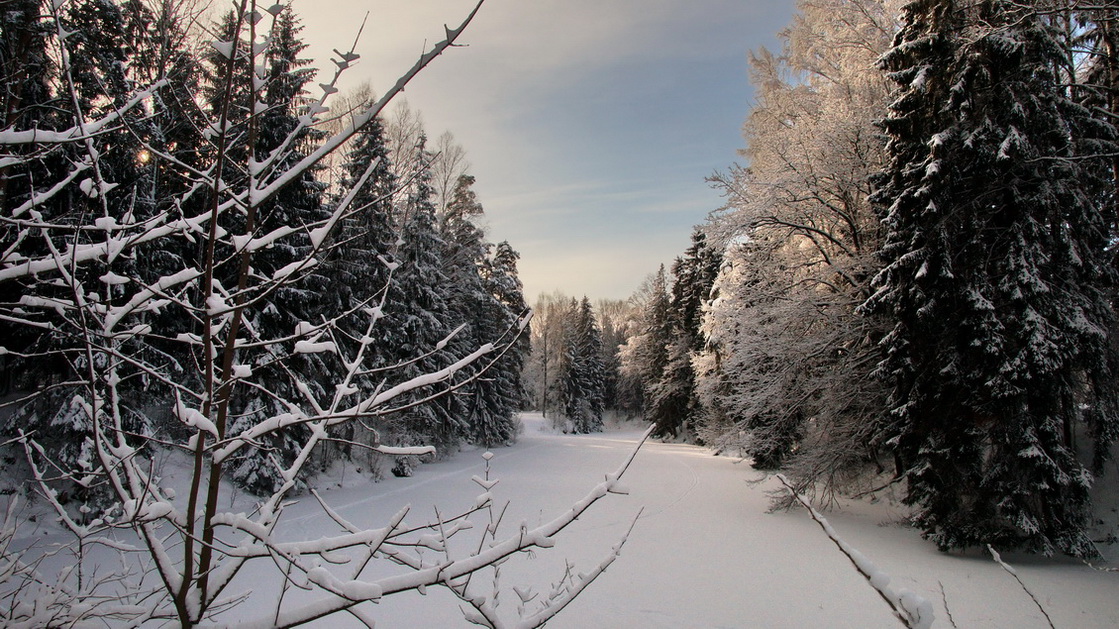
(912,283)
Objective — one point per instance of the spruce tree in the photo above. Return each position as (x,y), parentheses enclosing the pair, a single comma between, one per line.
(26,102)
(583,370)
(417,320)
(265,125)
(504,283)
(997,275)
(90,84)
(613,336)
(673,405)
(644,355)
(483,297)
(158,48)
(359,261)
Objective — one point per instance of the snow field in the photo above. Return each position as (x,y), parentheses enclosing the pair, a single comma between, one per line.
(705,552)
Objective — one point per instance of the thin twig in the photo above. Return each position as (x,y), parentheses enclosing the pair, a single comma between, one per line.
(1012,572)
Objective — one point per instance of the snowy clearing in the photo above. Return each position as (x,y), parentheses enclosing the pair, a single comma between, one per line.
(705,552)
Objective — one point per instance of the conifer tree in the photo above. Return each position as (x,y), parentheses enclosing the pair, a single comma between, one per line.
(613,336)
(997,277)
(673,405)
(644,355)
(358,264)
(582,371)
(504,283)
(499,393)
(267,119)
(158,47)
(482,300)
(26,101)
(91,83)
(417,322)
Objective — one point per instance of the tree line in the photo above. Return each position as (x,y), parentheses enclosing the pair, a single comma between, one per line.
(913,280)
(405,279)
(631,358)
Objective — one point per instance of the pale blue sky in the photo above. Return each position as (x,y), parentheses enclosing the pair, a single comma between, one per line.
(590,124)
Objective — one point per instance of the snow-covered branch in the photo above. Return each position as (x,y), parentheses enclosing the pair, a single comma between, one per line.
(176,283)
(911,609)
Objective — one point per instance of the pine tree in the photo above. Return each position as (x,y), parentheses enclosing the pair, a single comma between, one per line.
(504,283)
(500,392)
(613,336)
(997,275)
(91,83)
(27,101)
(582,370)
(489,400)
(359,262)
(644,355)
(266,125)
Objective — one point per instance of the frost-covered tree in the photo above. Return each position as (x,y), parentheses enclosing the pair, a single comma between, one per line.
(644,355)
(998,279)
(360,261)
(541,371)
(507,390)
(613,316)
(581,390)
(785,374)
(448,166)
(266,121)
(481,298)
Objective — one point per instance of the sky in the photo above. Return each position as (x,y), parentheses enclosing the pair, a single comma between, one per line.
(590,125)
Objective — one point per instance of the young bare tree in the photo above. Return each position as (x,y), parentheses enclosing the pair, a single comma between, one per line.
(75,278)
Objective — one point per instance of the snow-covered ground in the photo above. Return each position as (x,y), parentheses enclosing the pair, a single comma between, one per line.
(704,553)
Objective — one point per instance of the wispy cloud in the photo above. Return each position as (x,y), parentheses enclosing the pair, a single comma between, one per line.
(590,124)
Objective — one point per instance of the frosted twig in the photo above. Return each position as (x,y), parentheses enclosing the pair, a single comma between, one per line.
(947,610)
(911,609)
(556,605)
(1014,573)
